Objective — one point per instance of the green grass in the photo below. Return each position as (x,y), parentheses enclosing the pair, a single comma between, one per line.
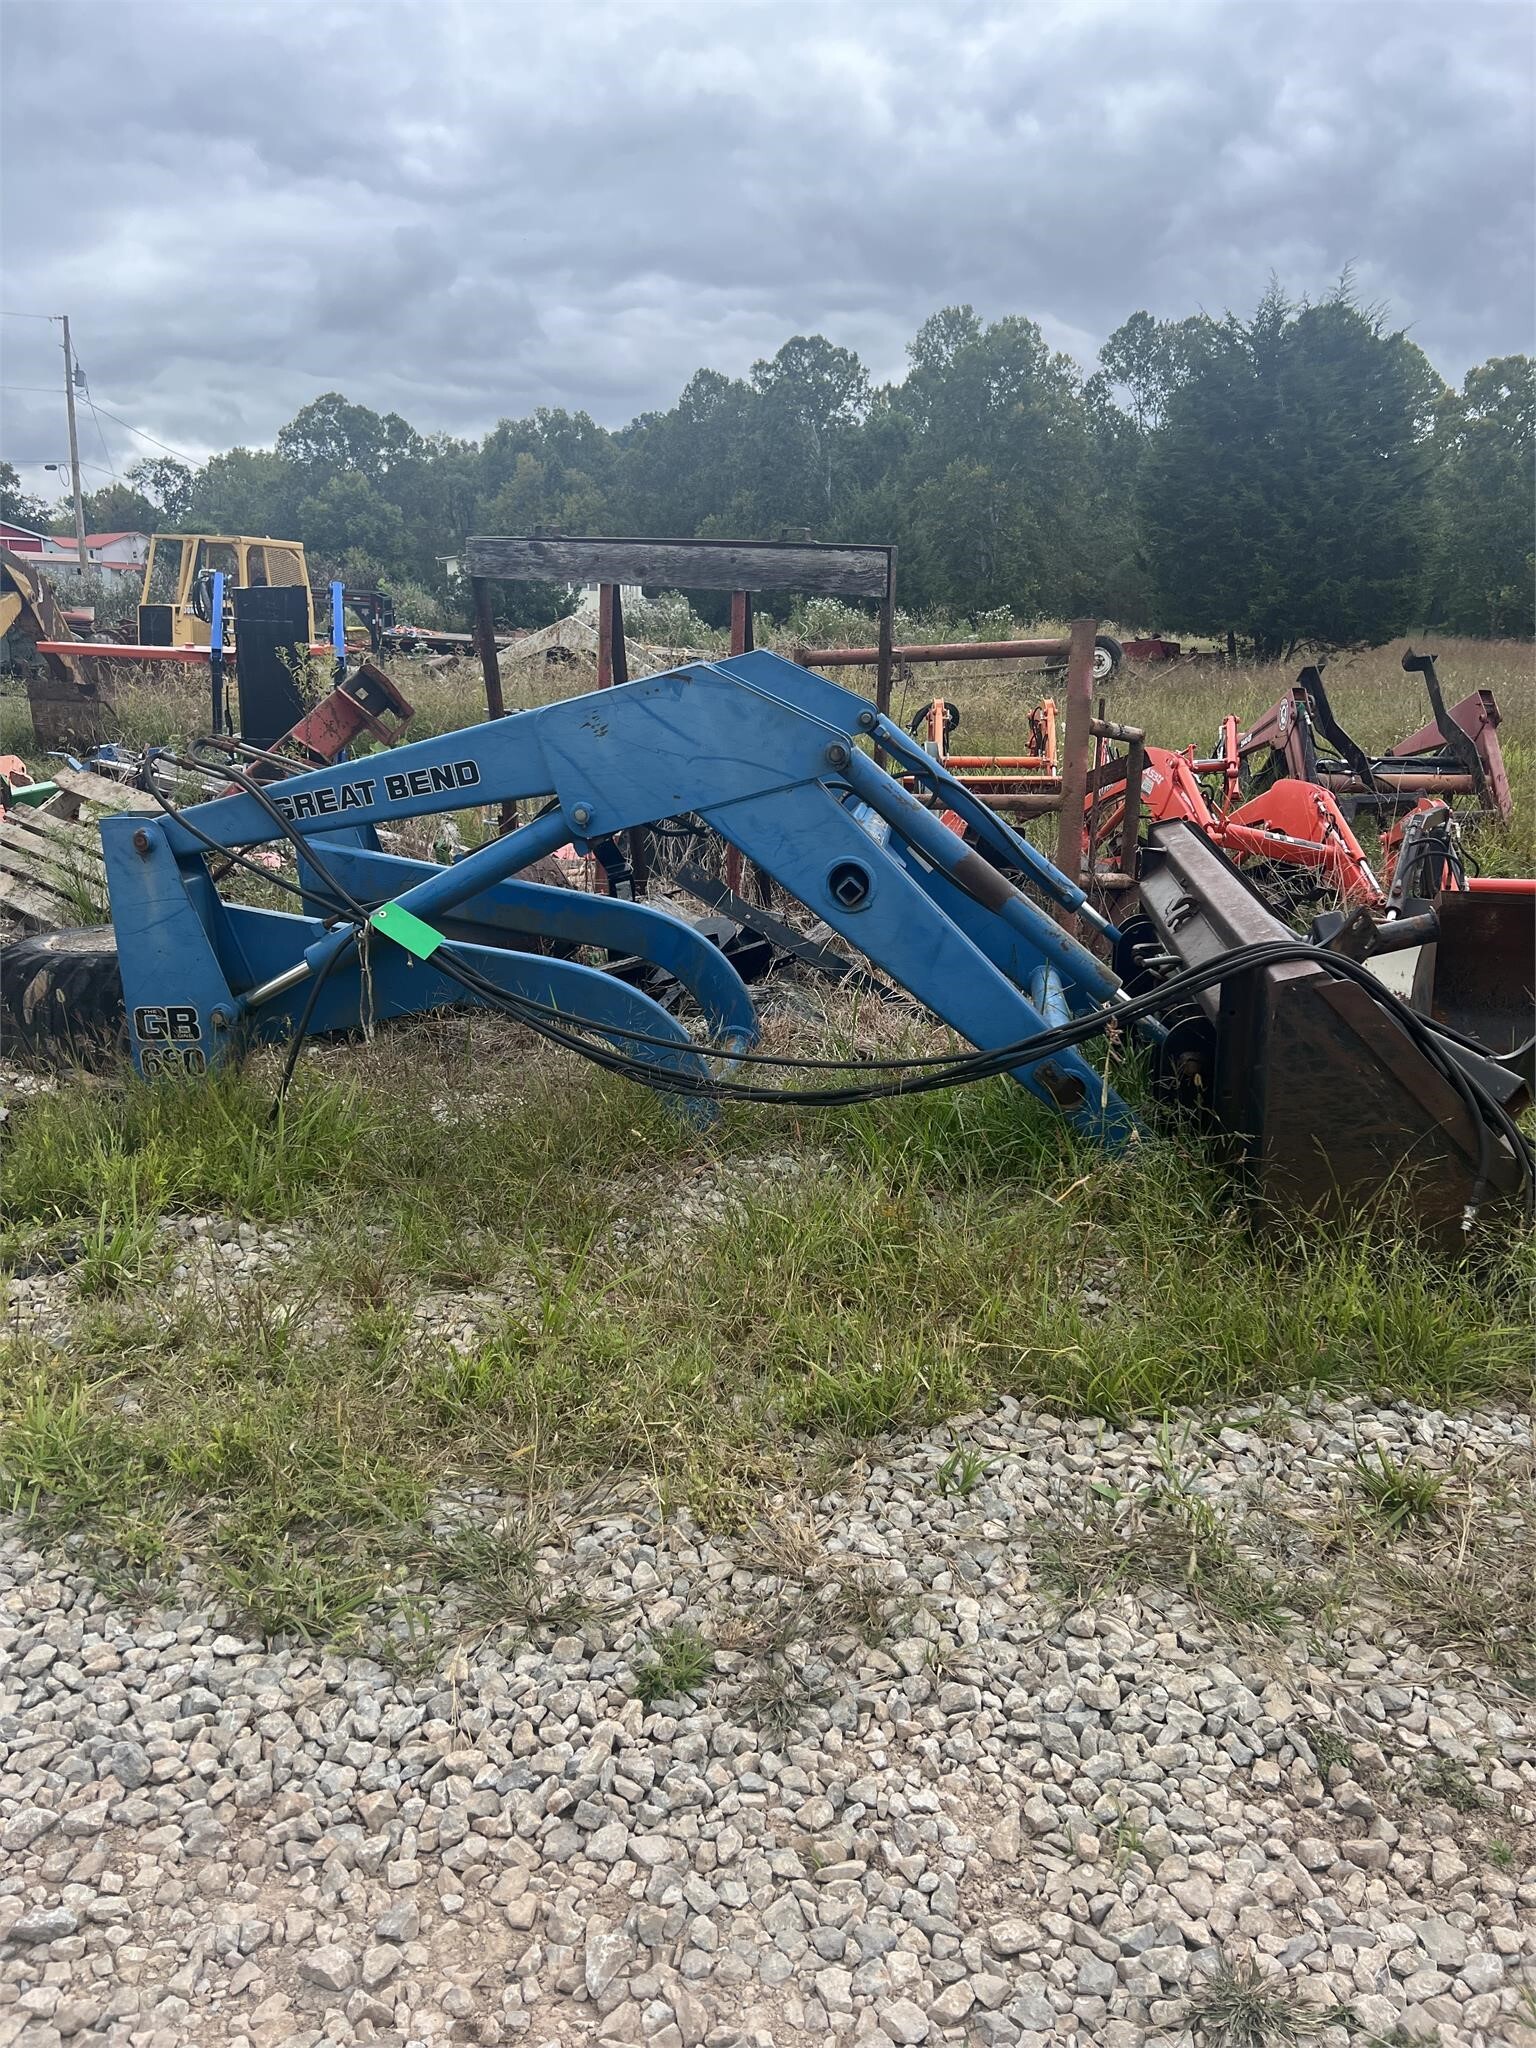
(933,1261)
(1442,1778)
(1330,1748)
(1237,2008)
(680,1662)
(960,1474)
(1170,1539)
(1400,1490)
(291,1433)
(501,1587)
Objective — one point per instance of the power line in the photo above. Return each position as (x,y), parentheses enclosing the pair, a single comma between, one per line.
(85,384)
(48,391)
(27,462)
(5,314)
(190,460)
(101,437)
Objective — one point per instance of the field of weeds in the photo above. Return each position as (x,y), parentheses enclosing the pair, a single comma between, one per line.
(457,1265)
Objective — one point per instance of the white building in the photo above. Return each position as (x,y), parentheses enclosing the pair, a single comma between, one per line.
(121,554)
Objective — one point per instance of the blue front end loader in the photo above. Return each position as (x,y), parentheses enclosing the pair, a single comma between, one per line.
(789,769)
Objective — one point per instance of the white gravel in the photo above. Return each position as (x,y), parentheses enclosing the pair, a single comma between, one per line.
(1005,1822)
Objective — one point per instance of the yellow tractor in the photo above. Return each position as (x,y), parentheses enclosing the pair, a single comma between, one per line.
(175,605)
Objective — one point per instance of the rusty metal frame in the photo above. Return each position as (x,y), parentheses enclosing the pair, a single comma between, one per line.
(1328,1094)
(1458,754)
(1016,788)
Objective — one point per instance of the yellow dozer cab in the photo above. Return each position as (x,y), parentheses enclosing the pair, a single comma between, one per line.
(175,604)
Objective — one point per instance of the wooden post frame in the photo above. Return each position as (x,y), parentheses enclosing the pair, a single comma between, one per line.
(485,641)
(819,568)
(816,568)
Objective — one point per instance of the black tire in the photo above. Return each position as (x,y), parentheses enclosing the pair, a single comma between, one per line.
(1107,656)
(61,998)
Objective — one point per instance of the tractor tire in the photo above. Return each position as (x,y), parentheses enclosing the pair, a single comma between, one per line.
(1107,656)
(61,999)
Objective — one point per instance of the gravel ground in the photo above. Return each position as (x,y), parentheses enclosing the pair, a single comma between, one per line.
(921,1797)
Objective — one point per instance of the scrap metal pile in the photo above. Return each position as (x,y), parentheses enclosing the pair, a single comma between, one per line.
(1329,1077)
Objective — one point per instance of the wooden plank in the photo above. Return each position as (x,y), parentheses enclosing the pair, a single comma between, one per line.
(65,882)
(67,831)
(18,861)
(31,906)
(103,791)
(814,567)
(15,873)
(74,855)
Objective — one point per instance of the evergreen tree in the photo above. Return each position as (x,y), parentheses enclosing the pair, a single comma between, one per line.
(1285,494)
(1275,476)
(1484,578)
(997,458)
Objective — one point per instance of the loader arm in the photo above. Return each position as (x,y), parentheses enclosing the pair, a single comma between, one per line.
(771,757)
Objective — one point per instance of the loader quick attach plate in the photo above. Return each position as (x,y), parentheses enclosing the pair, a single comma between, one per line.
(1329,1100)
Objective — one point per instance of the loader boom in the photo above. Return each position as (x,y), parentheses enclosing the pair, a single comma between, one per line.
(788,769)
(764,752)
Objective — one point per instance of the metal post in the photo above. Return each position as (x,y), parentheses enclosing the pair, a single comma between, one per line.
(1130,831)
(339,629)
(1100,756)
(638,841)
(1077,747)
(216,653)
(490,669)
(485,640)
(74,446)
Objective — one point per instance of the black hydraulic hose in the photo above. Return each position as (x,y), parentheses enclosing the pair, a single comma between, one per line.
(301,1028)
(960,1069)
(254,789)
(238,860)
(975,1063)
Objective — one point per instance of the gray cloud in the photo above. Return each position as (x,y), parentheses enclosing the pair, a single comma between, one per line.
(462,210)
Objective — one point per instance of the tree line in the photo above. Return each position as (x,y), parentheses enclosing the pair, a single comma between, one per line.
(1303,474)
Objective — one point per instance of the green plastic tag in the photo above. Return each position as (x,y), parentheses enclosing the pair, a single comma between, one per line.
(406,930)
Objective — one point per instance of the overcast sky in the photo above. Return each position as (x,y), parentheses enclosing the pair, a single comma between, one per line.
(463,209)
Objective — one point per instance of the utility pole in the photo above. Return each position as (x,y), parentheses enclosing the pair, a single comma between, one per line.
(74,445)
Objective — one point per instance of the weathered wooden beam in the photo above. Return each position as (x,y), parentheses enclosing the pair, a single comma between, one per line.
(819,569)
(485,645)
(39,909)
(102,790)
(24,877)
(77,860)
